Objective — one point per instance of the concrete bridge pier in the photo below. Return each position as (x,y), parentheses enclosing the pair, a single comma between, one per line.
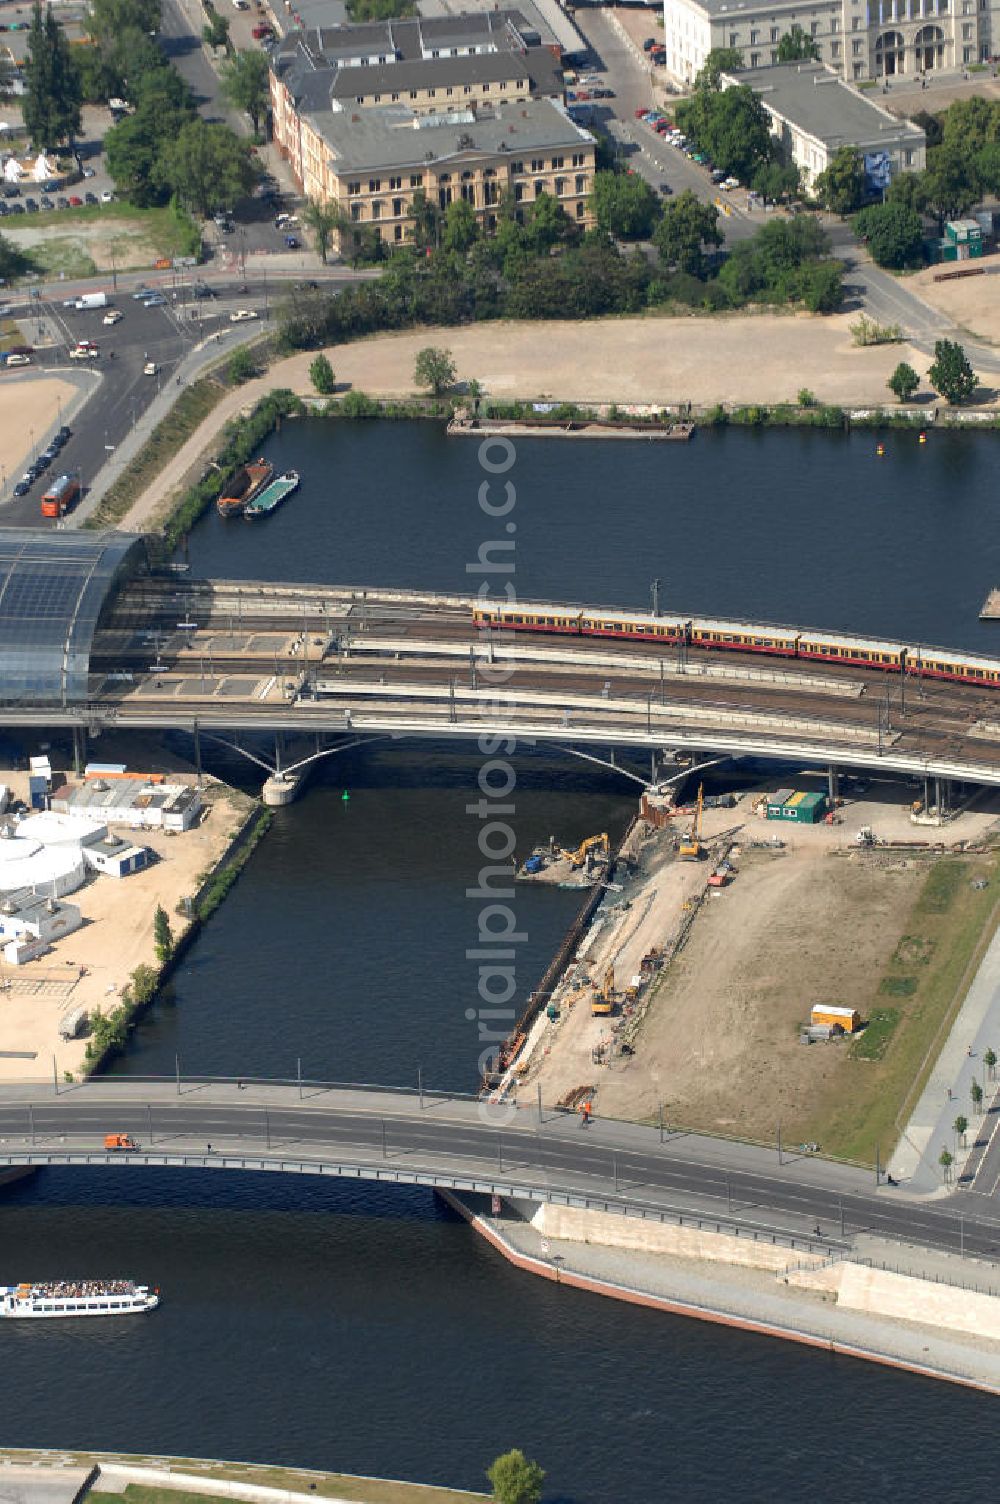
(79,749)
(833,785)
(282,788)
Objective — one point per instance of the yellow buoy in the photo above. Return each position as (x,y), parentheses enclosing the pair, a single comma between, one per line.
(880,449)
(923,438)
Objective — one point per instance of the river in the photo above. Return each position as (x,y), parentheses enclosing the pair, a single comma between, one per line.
(363,1328)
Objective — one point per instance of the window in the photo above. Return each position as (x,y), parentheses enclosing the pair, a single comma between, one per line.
(413,93)
(835,48)
(374,185)
(734,39)
(378,99)
(445,177)
(377,209)
(395,184)
(560,187)
(432,93)
(517,166)
(416,180)
(579,211)
(539,188)
(449,90)
(466,88)
(397,233)
(774,56)
(581,184)
(774,33)
(814,29)
(353,188)
(968,54)
(518,192)
(355,212)
(397,207)
(755,59)
(856,49)
(754,36)
(538,164)
(579,160)
(858,69)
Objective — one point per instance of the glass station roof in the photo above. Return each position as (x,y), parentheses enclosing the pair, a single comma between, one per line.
(53,587)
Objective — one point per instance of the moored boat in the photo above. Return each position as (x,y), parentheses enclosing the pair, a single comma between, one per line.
(271,497)
(247,483)
(83,1297)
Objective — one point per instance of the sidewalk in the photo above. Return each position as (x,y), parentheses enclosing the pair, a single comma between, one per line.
(947,1093)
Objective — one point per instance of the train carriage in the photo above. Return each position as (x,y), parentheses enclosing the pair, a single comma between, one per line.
(639,626)
(943,663)
(522,616)
(743,637)
(861,652)
(519,616)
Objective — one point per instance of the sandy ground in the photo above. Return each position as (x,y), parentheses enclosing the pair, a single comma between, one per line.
(116,937)
(973,302)
(105,242)
(719,1044)
(32,407)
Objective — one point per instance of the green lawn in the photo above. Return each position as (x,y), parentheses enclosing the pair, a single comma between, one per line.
(138,238)
(947,932)
(326,1485)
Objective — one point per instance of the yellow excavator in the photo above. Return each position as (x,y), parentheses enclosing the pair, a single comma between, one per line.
(579,856)
(604,998)
(691,850)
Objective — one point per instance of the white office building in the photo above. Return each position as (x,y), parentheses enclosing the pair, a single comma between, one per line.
(861,39)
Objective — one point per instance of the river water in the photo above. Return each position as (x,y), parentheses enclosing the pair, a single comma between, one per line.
(365,1329)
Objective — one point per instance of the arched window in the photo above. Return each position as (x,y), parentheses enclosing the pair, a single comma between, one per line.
(889,54)
(928,45)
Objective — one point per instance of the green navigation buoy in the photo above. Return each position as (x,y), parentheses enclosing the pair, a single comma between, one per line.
(345,796)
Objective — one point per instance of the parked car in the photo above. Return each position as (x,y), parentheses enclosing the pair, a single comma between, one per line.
(241,314)
(150,368)
(90,172)
(202,290)
(649,44)
(107,197)
(142,291)
(62,202)
(153,300)
(90,198)
(15,359)
(17,208)
(22,488)
(76,202)
(113,316)
(64,434)
(47,203)
(11,190)
(31,205)
(665,189)
(292,242)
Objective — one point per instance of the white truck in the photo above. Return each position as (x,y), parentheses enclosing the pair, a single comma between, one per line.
(91,300)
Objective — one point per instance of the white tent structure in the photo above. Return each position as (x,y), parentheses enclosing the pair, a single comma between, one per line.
(12,170)
(43,169)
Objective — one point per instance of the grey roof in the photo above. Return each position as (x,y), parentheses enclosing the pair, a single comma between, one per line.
(53,586)
(817,101)
(746,10)
(385,78)
(391,136)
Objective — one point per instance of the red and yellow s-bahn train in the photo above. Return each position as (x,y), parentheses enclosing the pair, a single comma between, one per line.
(739,637)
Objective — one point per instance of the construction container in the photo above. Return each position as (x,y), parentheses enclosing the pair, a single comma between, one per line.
(533,864)
(38,791)
(803,808)
(963,231)
(826,1015)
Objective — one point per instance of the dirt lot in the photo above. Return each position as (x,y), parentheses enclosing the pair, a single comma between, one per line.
(973,302)
(32,408)
(814,921)
(81,242)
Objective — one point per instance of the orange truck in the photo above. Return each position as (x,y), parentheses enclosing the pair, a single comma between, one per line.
(119,1141)
(60,496)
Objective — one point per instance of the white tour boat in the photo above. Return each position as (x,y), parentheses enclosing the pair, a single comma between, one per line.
(84,1297)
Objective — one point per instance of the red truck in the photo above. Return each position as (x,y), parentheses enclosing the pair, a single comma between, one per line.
(263,31)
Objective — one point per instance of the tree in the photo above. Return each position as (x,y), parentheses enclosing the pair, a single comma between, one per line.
(990,1062)
(107,20)
(434,368)
(909,191)
(240,367)
(687,225)
(163,940)
(215,33)
(946,1160)
(624,205)
(515,1480)
(322,377)
(892,232)
(324,219)
(976,1093)
(731,125)
(426,218)
(548,224)
(903,381)
(719,60)
(961,1126)
(796,47)
(246,84)
(951,374)
(950,182)
(52,96)
(460,230)
(207,165)
(819,285)
(986,165)
(841,187)
(776,180)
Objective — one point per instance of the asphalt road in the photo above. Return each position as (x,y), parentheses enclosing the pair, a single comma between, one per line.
(614,1162)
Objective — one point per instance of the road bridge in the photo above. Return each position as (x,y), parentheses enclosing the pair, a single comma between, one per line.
(520,1151)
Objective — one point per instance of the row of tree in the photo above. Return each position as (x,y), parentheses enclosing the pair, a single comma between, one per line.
(452,272)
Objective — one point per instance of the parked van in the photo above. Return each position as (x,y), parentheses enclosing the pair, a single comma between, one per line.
(119,1141)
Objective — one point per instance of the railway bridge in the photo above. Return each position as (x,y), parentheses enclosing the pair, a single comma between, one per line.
(91,638)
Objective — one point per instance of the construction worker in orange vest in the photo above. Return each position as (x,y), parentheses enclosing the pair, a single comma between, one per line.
(585,1111)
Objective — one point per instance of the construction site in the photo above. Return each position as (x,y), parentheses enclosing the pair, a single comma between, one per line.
(756,962)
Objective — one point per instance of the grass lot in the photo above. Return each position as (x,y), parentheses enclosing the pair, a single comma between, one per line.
(97,237)
(324,1485)
(190,409)
(10,334)
(927,977)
